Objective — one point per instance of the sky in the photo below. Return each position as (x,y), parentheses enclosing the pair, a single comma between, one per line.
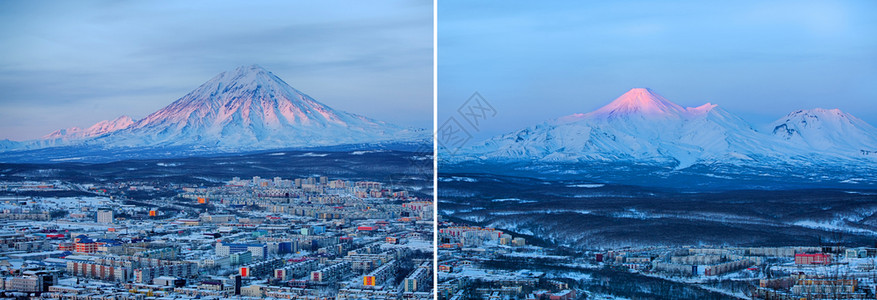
(75,63)
(757,59)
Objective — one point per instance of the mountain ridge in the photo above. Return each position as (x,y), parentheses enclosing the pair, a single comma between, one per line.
(245,109)
(643,127)
(99,128)
(808,128)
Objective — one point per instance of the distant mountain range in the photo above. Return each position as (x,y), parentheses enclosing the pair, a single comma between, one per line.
(643,127)
(246,109)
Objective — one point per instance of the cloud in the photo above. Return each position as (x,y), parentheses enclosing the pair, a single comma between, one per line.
(100,59)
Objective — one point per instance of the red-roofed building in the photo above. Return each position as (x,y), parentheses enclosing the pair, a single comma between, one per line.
(812,259)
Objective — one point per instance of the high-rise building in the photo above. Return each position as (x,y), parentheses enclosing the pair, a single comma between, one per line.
(105,215)
(237,285)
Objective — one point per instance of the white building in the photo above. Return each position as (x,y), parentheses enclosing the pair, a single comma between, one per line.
(105,216)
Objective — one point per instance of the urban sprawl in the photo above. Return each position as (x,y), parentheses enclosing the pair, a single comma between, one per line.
(318,238)
(303,238)
(486,263)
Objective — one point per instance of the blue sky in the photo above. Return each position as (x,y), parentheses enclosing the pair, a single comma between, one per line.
(759,60)
(66,63)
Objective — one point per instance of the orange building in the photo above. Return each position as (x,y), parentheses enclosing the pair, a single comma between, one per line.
(88,247)
(66,247)
(812,259)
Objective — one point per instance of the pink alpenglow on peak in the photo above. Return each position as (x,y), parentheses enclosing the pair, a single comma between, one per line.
(62,133)
(644,127)
(244,109)
(248,96)
(251,108)
(104,127)
(701,109)
(248,108)
(642,101)
(98,129)
(639,125)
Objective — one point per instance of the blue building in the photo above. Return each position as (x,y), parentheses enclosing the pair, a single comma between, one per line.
(259,251)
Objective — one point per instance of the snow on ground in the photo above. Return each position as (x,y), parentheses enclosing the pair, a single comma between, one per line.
(516,200)
(538,212)
(717,290)
(853,180)
(413,244)
(490,274)
(67,159)
(577,276)
(73,202)
(860,193)
(361,152)
(587,185)
(599,296)
(534,255)
(311,154)
(458,178)
(74,225)
(834,226)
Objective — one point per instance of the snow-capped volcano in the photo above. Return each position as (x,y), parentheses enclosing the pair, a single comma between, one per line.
(641,101)
(251,108)
(827,130)
(641,126)
(248,108)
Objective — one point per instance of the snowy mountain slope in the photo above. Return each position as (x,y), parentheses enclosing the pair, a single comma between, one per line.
(7,144)
(828,131)
(251,108)
(69,136)
(641,126)
(245,109)
(98,129)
